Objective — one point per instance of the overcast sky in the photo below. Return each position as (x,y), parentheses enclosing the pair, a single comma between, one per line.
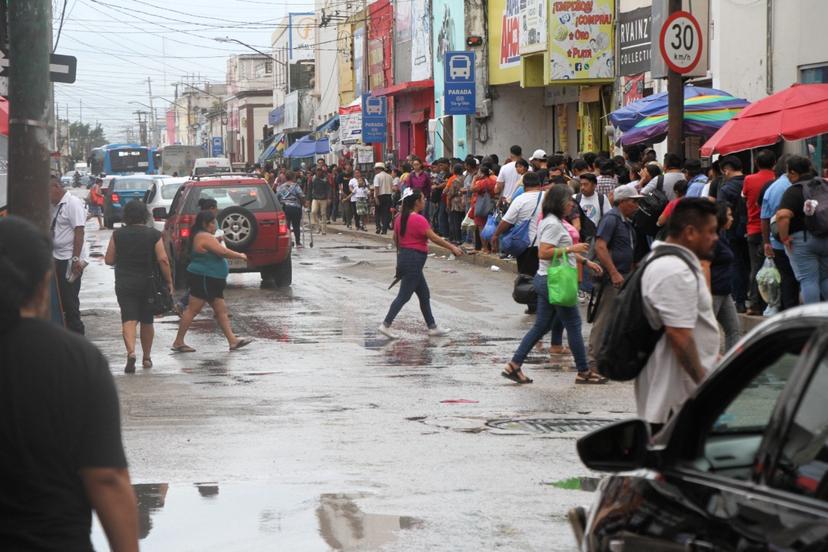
(119,43)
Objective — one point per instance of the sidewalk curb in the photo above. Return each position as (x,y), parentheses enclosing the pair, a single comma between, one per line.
(478,259)
(748,323)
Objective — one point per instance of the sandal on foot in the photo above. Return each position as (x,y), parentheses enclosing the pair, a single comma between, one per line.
(513,375)
(241,343)
(183,349)
(590,378)
(130,365)
(146,363)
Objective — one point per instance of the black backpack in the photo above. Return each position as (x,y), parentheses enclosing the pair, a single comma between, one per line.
(588,228)
(650,208)
(630,340)
(816,189)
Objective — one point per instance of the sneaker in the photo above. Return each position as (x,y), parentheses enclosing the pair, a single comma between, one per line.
(386,331)
(438,332)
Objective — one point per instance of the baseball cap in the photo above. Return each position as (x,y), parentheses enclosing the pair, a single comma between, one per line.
(627,191)
(538,155)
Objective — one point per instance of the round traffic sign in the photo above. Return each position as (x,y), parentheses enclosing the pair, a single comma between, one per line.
(681,42)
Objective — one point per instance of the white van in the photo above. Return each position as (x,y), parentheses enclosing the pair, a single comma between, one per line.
(211,165)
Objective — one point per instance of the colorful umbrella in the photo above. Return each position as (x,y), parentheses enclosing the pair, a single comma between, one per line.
(796,113)
(705,111)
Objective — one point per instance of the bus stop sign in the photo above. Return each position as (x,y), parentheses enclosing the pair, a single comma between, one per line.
(459,94)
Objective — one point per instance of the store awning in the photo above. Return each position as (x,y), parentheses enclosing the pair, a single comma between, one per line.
(330,125)
(308,147)
(404,88)
(274,146)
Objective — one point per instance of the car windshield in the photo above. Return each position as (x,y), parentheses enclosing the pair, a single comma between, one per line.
(254,198)
(203,171)
(136,184)
(168,190)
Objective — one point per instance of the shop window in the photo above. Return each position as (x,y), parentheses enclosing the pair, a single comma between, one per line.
(817,147)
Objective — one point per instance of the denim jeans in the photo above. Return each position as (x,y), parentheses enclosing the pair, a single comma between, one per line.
(69,297)
(544,321)
(809,259)
(741,269)
(412,280)
(455,229)
(443,220)
(790,287)
(725,310)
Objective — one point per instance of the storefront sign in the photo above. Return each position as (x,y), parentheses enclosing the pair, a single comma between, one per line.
(460,85)
(510,35)
(635,41)
(292,110)
(217,146)
(374,119)
(633,88)
(376,76)
(365,155)
(350,124)
(302,27)
(582,40)
(533,23)
(359,61)
(420,41)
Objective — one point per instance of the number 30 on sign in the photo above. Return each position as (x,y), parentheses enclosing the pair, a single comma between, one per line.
(681,42)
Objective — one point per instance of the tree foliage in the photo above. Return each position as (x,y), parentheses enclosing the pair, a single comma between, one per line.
(82,138)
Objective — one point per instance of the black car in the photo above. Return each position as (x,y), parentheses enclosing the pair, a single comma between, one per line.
(742,466)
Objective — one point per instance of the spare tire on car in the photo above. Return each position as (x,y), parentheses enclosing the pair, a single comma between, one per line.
(239,227)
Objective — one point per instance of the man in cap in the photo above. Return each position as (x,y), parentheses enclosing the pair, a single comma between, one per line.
(539,165)
(383,190)
(614,248)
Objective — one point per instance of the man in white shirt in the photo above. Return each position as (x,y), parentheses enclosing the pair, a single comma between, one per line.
(592,203)
(672,174)
(383,188)
(68,221)
(679,300)
(508,176)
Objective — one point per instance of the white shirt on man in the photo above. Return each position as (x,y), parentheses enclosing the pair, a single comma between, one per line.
(521,209)
(509,176)
(591,206)
(67,215)
(353,184)
(679,298)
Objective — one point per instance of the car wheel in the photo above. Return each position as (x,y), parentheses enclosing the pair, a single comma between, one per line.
(283,273)
(239,227)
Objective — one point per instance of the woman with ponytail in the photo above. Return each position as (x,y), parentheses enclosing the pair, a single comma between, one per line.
(411,235)
(61,453)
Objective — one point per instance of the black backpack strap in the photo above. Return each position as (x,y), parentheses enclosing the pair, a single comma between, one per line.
(665,250)
(660,183)
(601,204)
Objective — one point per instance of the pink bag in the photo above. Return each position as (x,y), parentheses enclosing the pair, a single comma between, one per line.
(573,232)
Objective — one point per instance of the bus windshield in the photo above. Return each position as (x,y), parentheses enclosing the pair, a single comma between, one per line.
(127,160)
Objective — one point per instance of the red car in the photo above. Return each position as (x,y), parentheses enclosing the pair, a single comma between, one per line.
(250,217)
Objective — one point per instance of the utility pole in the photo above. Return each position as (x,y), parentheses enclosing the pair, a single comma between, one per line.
(154,126)
(30,28)
(675,101)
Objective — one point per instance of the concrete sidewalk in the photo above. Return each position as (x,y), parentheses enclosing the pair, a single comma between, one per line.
(488,261)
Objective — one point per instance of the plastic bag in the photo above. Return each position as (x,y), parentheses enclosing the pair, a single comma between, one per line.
(491,225)
(768,280)
(467,224)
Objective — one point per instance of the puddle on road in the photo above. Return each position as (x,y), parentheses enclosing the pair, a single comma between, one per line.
(363,247)
(251,516)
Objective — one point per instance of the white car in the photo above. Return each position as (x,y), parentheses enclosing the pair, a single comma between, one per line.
(160,195)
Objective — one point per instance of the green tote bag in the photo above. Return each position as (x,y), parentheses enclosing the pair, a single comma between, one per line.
(562,282)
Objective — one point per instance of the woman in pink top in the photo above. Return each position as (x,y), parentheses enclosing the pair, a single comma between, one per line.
(411,234)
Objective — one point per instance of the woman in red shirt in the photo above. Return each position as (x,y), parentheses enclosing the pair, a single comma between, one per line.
(484,183)
(411,235)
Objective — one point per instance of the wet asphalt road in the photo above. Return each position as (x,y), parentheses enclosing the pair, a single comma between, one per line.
(323,435)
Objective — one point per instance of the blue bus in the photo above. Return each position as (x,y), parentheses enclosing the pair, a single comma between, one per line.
(120,159)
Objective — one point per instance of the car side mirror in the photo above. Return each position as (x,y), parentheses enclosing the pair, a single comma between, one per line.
(621,446)
(159,213)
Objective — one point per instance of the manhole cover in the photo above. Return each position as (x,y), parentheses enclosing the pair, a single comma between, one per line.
(549,425)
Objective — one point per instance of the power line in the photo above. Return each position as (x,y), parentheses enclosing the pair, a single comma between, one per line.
(60,28)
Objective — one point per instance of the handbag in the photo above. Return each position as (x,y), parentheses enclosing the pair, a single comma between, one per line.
(467,224)
(516,240)
(562,282)
(490,227)
(483,206)
(159,297)
(524,291)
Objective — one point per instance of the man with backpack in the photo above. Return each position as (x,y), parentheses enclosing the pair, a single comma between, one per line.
(676,299)
(665,183)
(614,249)
(731,192)
(802,222)
(591,205)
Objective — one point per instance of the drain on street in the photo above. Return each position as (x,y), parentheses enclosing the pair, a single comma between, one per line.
(549,425)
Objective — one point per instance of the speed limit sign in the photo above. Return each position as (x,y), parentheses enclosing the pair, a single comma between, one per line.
(681,42)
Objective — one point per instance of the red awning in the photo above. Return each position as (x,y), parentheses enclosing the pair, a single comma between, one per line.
(404,88)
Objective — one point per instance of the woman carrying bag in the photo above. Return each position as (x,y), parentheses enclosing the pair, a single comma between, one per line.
(556,283)
(292,198)
(137,253)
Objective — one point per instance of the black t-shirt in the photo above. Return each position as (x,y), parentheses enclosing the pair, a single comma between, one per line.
(58,413)
(794,200)
(134,257)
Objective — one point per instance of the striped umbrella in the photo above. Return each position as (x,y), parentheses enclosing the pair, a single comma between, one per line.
(705,111)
